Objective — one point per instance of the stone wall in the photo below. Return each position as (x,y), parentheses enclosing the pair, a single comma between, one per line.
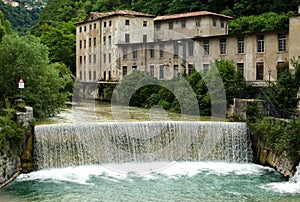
(10,167)
(239,107)
(11,164)
(271,157)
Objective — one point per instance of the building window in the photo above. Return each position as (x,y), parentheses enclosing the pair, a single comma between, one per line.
(80,59)
(161,50)
(104,40)
(282,42)
(90,42)
(151,51)
(84,44)
(183,23)
(191,48)
(90,75)
(191,69)
(152,70)
(134,52)
(176,49)
(206,47)
(109,58)
(95,25)
(240,68)
(84,28)
(127,38)
(281,66)
(157,26)
(176,71)
(161,71)
(260,43)
(125,53)
(241,45)
(95,58)
(109,23)
(95,41)
(124,70)
(104,58)
(84,59)
(126,22)
(222,24)
(198,22)
(144,38)
(205,68)
(134,68)
(170,25)
(104,24)
(223,46)
(259,71)
(214,22)
(90,59)
(80,29)
(144,23)
(95,75)
(80,44)
(91,27)
(80,75)
(109,40)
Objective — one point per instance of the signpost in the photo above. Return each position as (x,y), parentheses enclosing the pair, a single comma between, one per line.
(21,85)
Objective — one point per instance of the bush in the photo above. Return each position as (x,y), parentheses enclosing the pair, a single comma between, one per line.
(11,132)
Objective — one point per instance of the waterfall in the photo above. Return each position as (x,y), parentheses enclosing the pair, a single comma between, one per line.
(61,145)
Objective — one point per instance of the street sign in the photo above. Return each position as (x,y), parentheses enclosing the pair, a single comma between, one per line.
(21,83)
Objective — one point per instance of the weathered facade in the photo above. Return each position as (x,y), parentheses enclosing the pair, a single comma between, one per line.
(112,45)
(97,38)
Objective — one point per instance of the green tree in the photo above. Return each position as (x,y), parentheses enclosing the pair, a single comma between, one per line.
(5,27)
(45,83)
(12,133)
(135,89)
(233,80)
(61,39)
(262,23)
(287,86)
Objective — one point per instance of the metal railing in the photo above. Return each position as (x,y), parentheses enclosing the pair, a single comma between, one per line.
(274,108)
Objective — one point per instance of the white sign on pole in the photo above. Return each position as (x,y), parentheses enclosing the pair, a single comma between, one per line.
(21,83)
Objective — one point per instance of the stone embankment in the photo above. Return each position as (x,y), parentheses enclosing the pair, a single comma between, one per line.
(270,157)
(11,162)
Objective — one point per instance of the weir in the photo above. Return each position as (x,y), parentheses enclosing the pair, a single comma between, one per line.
(62,145)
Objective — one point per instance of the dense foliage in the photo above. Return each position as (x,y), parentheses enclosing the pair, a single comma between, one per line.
(278,134)
(200,90)
(11,133)
(262,23)
(21,18)
(285,90)
(5,26)
(45,83)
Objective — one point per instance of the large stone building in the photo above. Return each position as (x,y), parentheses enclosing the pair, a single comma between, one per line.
(113,44)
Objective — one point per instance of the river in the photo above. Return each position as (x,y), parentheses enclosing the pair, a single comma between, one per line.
(148,181)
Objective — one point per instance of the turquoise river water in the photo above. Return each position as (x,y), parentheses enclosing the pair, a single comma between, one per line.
(180,181)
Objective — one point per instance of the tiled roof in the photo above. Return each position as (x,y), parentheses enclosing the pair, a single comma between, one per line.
(191,14)
(96,15)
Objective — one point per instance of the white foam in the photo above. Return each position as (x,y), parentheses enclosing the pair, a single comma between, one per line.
(82,174)
(290,187)
(283,187)
(218,168)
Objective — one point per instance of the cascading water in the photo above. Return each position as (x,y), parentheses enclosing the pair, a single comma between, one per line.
(65,145)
